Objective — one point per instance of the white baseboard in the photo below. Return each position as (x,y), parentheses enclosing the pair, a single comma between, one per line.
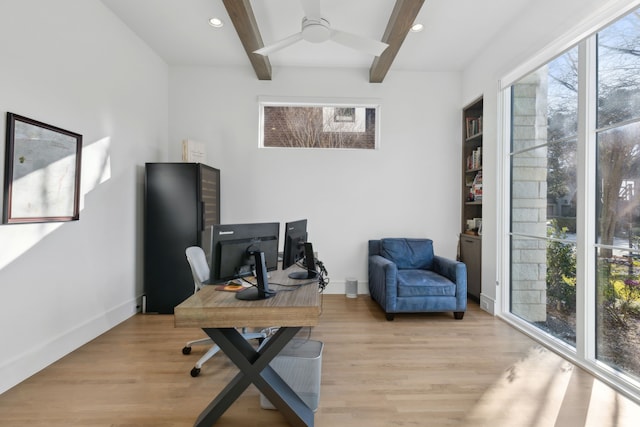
(487,304)
(32,360)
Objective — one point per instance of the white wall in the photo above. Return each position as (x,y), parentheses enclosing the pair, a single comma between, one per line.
(409,187)
(544,23)
(72,64)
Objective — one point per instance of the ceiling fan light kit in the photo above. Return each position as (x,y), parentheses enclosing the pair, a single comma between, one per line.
(315,30)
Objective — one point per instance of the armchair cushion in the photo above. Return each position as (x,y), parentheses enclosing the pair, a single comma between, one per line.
(408,253)
(415,283)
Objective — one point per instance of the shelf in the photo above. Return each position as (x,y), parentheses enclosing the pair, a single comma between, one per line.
(474,137)
(473,170)
(471,236)
(475,202)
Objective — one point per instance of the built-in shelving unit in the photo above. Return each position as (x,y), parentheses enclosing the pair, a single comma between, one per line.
(472,194)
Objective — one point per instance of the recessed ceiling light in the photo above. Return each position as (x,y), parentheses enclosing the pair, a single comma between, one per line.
(215,22)
(416,28)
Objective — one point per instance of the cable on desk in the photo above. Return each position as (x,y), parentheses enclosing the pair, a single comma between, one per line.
(321,273)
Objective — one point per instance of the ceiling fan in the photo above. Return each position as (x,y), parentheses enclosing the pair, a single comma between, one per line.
(316,29)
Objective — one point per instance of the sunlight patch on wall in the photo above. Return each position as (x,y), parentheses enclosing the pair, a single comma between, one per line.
(95,169)
(21,237)
(96,166)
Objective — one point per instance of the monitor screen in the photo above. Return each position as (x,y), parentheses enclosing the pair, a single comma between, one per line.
(295,235)
(239,250)
(296,248)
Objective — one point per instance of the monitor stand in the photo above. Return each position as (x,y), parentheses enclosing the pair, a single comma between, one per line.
(310,262)
(261,291)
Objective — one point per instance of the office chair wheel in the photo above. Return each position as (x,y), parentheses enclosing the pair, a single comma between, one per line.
(195,372)
(186,350)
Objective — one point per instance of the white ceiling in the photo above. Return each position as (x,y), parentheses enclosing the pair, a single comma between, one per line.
(455,31)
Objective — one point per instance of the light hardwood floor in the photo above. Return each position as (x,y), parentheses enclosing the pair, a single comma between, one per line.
(419,370)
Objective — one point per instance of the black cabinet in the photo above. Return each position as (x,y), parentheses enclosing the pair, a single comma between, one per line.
(182,202)
(471,255)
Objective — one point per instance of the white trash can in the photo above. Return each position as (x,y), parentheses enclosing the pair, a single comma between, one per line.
(351,287)
(300,366)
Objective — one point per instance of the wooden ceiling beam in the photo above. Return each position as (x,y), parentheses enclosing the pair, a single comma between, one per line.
(402,18)
(244,21)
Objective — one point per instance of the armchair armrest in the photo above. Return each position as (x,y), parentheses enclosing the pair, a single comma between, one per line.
(447,267)
(383,281)
(455,271)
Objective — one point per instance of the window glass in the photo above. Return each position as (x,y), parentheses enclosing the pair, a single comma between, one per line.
(617,310)
(619,71)
(618,263)
(543,197)
(617,269)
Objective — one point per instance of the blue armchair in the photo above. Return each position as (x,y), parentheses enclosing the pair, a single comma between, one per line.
(406,277)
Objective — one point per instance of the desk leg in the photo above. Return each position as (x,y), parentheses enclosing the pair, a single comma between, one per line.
(254,368)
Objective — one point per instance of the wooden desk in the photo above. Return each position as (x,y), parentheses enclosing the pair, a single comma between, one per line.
(219,313)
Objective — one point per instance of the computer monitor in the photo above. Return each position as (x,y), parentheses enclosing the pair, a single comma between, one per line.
(240,250)
(296,248)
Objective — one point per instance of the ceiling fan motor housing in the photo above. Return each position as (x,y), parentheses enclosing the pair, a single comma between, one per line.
(315,30)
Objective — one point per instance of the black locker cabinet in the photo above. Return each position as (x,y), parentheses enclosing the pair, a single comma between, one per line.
(182,202)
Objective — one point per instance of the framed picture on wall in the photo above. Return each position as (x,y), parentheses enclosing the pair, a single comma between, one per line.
(42,172)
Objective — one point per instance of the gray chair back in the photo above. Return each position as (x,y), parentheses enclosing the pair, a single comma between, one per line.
(199,267)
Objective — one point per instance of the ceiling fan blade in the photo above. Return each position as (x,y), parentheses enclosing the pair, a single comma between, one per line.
(281,44)
(371,46)
(311,9)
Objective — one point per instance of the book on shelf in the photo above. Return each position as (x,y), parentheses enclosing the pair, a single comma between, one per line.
(477,193)
(474,160)
(476,187)
(477,180)
(474,126)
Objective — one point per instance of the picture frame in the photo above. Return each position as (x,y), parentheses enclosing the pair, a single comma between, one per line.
(42,172)
(319,123)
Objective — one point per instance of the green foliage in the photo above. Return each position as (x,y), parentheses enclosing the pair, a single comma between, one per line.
(620,290)
(567,224)
(561,269)
(618,279)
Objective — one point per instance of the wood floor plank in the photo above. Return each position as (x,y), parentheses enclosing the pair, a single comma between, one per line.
(418,370)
